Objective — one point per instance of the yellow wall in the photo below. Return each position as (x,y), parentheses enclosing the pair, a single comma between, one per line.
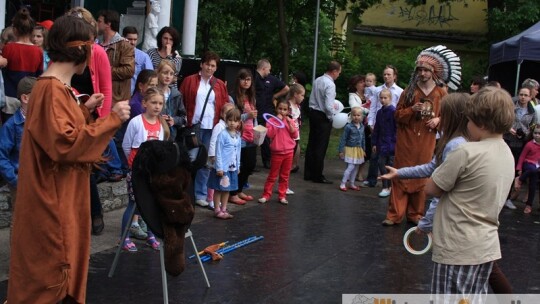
(464,16)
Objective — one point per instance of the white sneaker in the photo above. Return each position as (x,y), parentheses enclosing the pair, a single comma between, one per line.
(262,200)
(289,192)
(201,203)
(508,204)
(384,193)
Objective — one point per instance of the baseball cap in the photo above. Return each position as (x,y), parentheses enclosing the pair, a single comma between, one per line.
(25,86)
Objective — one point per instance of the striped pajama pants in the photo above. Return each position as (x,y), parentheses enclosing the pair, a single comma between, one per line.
(453,283)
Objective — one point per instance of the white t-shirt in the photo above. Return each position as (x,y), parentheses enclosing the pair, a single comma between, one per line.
(476,178)
(207,122)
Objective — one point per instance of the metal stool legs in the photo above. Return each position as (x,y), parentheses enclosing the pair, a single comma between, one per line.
(189,235)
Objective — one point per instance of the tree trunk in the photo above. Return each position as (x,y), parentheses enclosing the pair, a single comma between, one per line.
(284,42)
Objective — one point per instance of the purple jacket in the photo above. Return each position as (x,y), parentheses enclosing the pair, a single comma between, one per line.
(384,132)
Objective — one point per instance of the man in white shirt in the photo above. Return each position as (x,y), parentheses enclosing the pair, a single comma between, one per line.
(321,103)
(390,77)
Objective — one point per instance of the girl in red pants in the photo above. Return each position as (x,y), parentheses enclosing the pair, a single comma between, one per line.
(282,149)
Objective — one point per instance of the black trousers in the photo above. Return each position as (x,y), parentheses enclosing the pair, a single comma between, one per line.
(95,202)
(248,158)
(265,147)
(319,136)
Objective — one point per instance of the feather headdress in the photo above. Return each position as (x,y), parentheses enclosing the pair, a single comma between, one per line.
(443,63)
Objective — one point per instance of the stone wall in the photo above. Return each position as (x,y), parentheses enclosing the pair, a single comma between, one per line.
(113,196)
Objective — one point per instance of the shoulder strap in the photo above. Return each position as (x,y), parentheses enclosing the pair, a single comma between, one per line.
(207,95)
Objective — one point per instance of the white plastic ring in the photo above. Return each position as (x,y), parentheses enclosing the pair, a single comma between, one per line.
(409,247)
(280,124)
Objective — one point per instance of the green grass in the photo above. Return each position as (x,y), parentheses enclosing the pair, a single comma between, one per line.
(332,152)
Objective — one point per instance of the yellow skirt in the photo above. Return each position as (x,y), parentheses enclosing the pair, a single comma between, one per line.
(354,155)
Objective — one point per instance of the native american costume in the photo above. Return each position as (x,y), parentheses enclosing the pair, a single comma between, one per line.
(416,141)
(50,242)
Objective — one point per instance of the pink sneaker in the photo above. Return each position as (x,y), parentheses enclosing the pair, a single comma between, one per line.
(152,242)
(129,246)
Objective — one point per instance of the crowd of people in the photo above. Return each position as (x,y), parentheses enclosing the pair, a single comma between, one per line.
(80,99)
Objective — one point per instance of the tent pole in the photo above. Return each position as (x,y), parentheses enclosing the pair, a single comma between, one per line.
(517,77)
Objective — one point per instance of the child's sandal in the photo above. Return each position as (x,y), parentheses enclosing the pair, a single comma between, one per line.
(354,187)
(222,215)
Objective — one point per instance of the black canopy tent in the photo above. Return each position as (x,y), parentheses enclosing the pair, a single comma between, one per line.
(513,60)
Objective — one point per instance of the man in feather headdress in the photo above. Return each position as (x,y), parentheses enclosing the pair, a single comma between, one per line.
(417,118)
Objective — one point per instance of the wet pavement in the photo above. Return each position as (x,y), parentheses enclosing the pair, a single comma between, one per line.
(323,244)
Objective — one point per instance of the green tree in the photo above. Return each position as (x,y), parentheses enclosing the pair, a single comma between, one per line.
(509,17)
(283,32)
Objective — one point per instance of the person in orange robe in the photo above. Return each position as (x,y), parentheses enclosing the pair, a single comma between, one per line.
(417,117)
(50,243)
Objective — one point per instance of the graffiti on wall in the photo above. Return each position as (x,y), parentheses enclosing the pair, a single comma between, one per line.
(438,15)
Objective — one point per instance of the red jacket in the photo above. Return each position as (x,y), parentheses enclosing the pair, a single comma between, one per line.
(189,88)
(282,139)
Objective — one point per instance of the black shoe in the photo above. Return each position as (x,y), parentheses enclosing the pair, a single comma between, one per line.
(295,169)
(322,181)
(97,224)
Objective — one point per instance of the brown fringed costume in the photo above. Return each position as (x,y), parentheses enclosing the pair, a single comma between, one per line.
(414,146)
(50,243)
(161,182)
(415,140)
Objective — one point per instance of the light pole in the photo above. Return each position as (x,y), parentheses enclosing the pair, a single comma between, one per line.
(316,42)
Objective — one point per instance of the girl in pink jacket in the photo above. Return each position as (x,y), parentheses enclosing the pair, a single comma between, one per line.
(282,150)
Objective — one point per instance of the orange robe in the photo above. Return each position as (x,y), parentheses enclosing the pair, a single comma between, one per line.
(415,144)
(50,243)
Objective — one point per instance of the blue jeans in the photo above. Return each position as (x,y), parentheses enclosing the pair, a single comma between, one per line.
(126,220)
(113,164)
(118,139)
(530,173)
(202,174)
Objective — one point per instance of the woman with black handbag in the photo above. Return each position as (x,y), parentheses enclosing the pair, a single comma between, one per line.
(204,95)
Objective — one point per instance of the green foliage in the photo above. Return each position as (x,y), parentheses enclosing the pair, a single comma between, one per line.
(371,58)
(247,30)
(512,18)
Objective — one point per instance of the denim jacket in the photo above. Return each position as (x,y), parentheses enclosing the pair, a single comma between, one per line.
(352,137)
(174,107)
(10,145)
